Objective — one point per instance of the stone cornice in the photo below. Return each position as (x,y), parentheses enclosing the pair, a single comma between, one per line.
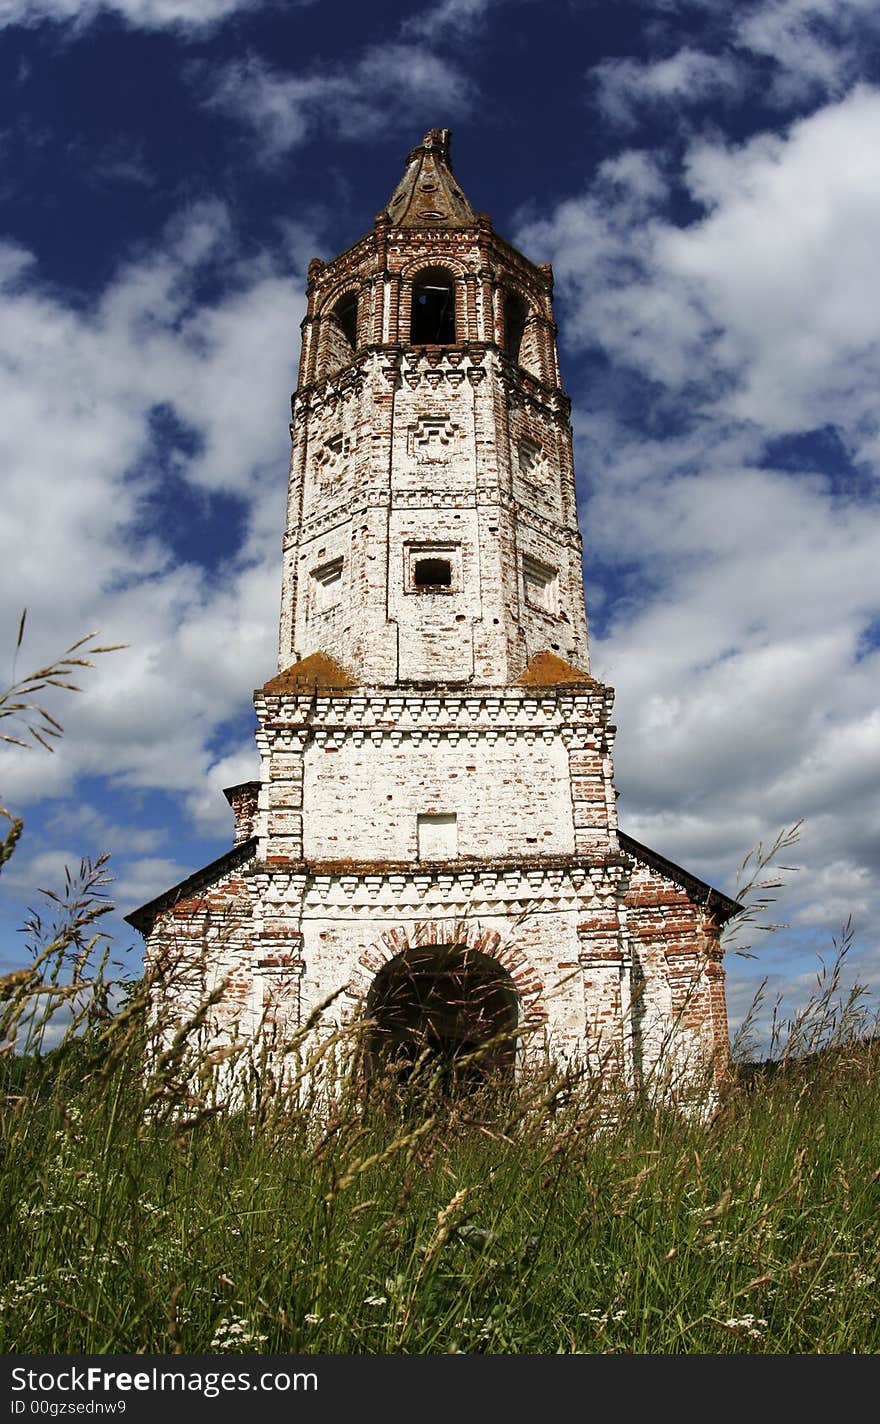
(508,885)
(280,736)
(398,711)
(483,496)
(416,363)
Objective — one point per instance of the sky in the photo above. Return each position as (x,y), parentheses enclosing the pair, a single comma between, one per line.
(704,178)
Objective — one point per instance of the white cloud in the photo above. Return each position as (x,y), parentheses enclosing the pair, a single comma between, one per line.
(77,448)
(206,804)
(138,14)
(449,19)
(142,880)
(91,827)
(768,306)
(625,88)
(782,52)
(387,85)
(786,269)
(28,875)
(738,594)
(838,891)
(819,47)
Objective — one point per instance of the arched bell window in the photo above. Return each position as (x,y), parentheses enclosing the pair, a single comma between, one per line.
(345,314)
(433,308)
(338,335)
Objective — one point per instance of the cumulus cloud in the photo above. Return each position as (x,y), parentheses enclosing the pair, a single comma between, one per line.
(768,305)
(90,826)
(797,312)
(146,878)
(206,803)
(818,47)
(626,88)
(783,52)
(45,871)
(387,85)
(739,623)
(83,473)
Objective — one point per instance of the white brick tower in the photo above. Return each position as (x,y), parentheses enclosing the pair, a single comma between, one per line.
(434,828)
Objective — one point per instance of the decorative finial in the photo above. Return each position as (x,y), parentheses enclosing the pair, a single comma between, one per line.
(438,139)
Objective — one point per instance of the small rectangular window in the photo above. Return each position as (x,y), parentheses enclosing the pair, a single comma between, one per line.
(432,568)
(429,573)
(540,584)
(438,836)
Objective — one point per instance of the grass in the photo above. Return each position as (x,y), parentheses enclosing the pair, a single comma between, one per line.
(138,1217)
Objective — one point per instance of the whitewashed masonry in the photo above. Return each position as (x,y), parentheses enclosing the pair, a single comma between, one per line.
(434,828)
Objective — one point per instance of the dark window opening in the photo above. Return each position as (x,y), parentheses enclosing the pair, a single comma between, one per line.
(443,1019)
(346,314)
(433,309)
(516,314)
(432,573)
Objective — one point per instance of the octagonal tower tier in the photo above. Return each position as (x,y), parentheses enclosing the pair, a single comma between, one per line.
(432,527)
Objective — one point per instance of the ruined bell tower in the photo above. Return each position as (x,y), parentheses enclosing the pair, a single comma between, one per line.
(434,828)
(432,529)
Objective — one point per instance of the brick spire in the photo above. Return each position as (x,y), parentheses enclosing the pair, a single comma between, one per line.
(428,192)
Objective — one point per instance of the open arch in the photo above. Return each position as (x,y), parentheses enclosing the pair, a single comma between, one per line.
(339,334)
(345,313)
(432,320)
(448,1008)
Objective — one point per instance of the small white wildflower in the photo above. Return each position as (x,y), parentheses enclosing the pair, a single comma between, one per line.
(376,1300)
(602,1317)
(235,1334)
(313,1319)
(750,1325)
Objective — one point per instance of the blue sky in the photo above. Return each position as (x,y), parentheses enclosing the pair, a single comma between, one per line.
(705,179)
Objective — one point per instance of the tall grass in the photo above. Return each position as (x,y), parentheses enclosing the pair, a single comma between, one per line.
(140,1215)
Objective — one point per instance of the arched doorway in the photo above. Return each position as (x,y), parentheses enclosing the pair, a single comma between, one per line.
(444,1013)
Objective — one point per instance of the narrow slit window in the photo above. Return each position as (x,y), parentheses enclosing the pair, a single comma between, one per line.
(516,314)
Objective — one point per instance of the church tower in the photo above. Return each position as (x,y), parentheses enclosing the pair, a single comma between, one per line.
(434,829)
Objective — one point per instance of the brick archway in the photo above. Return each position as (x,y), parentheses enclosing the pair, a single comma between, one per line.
(422,260)
(466,934)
